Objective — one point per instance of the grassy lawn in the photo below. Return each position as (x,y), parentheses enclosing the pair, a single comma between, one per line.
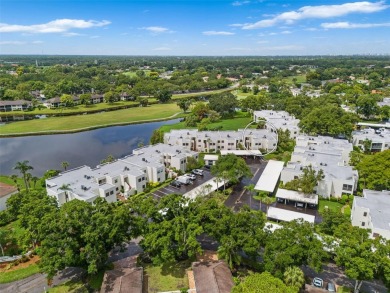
(72,123)
(7,180)
(168,277)
(335,206)
(300,79)
(342,289)
(6,277)
(238,122)
(69,287)
(96,281)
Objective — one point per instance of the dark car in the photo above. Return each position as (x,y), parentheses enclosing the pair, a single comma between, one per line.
(175,183)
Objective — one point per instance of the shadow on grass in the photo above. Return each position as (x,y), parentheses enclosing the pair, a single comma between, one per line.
(175,269)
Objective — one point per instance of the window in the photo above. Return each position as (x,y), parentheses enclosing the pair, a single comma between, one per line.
(347,187)
(117,189)
(365,214)
(116,181)
(112,192)
(139,179)
(363,224)
(107,194)
(143,186)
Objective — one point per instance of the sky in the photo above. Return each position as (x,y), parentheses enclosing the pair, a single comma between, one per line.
(194,28)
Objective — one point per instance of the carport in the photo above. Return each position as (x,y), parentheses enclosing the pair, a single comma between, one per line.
(297,197)
(287,216)
(270,177)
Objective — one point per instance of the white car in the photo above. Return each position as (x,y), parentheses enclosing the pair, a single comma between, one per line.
(191,176)
(197,172)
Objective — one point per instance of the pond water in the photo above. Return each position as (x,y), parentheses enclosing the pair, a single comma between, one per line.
(83,148)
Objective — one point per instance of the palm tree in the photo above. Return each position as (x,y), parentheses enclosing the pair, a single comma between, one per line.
(251,189)
(267,200)
(294,277)
(34,180)
(65,165)
(228,253)
(65,187)
(23,167)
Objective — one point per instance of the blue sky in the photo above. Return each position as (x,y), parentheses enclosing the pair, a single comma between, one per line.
(184,27)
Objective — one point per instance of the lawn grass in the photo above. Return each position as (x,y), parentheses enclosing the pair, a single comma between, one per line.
(96,281)
(168,277)
(300,79)
(7,277)
(240,120)
(69,286)
(84,122)
(332,205)
(7,180)
(342,289)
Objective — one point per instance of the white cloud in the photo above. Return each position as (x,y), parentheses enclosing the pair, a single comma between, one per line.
(348,25)
(55,26)
(162,49)
(94,37)
(157,29)
(321,11)
(12,43)
(286,32)
(72,34)
(262,42)
(237,24)
(37,42)
(215,33)
(239,3)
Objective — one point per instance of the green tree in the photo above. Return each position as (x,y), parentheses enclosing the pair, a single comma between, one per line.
(367,106)
(172,235)
(111,97)
(109,159)
(262,283)
(374,171)
(294,277)
(66,100)
(157,136)
(231,167)
(225,104)
(163,96)
(307,181)
(184,104)
(293,245)
(81,235)
(65,165)
(23,168)
(85,99)
(143,101)
(331,220)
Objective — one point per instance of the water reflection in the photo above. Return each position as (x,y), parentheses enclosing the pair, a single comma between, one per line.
(84,148)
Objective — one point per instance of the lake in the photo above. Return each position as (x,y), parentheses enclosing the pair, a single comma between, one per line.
(83,148)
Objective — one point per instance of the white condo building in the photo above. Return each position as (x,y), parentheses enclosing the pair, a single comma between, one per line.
(372,211)
(326,153)
(279,119)
(212,141)
(380,139)
(125,176)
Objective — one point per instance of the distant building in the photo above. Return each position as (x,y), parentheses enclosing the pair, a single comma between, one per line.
(18,105)
(329,155)
(6,191)
(372,211)
(280,120)
(125,176)
(213,141)
(385,102)
(380,139)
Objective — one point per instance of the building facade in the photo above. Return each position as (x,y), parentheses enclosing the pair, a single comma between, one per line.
(125,176)
(280,120)
(372,211)
(379,139)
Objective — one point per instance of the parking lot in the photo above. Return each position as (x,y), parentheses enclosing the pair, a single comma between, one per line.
(169,189)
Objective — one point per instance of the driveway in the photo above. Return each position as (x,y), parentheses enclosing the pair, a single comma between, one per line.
(169,189)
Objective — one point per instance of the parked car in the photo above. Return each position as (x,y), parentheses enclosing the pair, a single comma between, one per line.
(318,282)
(197,172)
(191,176)
(280,200)
(207,167)
(175,183)
(331,287)
(183,180)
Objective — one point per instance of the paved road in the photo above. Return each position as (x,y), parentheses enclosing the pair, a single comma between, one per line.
(333,273)
(38,283)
